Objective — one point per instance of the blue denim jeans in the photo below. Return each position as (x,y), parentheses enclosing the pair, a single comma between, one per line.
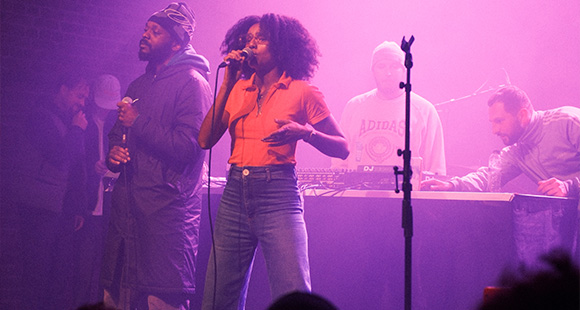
(259,204)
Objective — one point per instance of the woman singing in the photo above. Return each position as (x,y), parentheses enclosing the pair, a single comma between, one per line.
(267,105)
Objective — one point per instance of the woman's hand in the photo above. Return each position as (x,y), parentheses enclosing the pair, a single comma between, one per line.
(289,132)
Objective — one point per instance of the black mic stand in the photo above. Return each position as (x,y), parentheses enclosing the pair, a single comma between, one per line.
(407,212)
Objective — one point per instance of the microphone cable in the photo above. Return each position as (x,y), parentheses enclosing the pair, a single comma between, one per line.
(209,212)
(248,53)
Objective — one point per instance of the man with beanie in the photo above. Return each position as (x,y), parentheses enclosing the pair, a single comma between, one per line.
(153,235)
(374,122)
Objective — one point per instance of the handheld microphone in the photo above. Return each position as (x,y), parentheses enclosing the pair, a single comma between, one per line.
(128,100)
(247,53)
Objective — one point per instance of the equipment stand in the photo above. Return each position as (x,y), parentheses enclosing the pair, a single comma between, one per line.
(407,212)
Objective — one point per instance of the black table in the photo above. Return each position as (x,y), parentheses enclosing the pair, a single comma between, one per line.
(462,242)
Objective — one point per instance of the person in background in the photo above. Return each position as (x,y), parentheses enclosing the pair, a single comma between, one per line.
(555,286)
(106,92)
(267,105)
(374,122)
(302,301)
(544,145)
(153,234)
(49,192)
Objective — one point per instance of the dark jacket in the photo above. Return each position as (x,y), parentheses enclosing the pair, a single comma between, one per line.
(49,171)
(157,198)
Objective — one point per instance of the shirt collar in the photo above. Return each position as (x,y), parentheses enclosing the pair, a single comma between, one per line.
(530,132)
(283,82)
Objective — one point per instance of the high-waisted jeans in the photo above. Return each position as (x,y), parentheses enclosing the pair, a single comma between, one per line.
(259,204)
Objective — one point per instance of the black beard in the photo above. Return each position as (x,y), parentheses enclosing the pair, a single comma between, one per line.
(144,56)
(156,55)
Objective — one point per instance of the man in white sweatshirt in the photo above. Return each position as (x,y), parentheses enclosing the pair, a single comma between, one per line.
(374,122)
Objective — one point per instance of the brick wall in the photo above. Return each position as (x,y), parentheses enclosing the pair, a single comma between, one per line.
(41,37)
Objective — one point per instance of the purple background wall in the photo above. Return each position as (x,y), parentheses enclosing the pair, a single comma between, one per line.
(459,46)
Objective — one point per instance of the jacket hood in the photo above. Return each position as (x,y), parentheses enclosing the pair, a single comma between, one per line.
(187,56)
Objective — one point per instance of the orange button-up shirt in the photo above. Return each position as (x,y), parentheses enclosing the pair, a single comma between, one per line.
(287,99)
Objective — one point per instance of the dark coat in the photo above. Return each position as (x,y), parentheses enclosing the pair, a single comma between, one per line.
(49,171)
(156,207)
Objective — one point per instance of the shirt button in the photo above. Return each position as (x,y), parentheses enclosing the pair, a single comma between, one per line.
(246,172)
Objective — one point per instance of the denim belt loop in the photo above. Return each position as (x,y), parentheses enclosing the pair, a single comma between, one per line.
(268,175)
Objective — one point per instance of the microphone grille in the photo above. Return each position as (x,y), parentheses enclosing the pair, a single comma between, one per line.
(248,53)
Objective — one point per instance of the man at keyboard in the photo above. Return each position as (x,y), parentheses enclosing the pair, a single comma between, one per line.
(544,145)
